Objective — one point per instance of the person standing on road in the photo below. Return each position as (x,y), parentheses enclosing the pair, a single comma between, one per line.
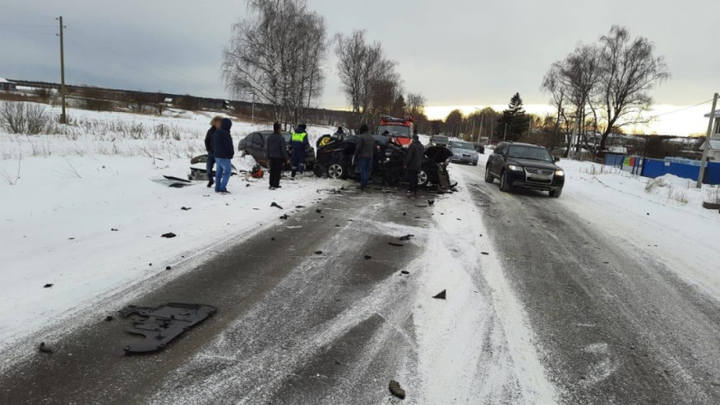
(277,154)
(214,126)
(364,151)
(224,152)
(413,162)
(339,135)
(299,142)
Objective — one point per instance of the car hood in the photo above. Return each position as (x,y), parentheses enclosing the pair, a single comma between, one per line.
(438,154)
(533,163)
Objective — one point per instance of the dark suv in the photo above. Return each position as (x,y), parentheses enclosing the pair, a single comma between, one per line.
(526,166)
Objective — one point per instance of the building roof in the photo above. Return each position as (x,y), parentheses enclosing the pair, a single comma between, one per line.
(714,144)
(4,80)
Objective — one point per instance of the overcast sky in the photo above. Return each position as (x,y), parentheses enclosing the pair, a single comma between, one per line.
(455,52)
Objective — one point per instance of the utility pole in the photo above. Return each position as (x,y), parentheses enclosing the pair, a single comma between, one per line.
(505,132)
(529,128)
(482,123)
(63,116)
(703,163)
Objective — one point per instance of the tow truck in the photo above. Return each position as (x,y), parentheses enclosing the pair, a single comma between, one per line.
(401,129)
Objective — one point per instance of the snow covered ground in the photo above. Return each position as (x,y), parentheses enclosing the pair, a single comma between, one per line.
(85,211)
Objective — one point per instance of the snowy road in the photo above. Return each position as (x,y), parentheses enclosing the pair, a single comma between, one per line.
(542,307)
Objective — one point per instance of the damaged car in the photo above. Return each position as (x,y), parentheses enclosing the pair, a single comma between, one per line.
(198,168)
(335,160)
(255,143)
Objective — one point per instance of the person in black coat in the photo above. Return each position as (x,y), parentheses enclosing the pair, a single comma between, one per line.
(364,151)
(277,155)
(224,152)
(214,126)
(413,163)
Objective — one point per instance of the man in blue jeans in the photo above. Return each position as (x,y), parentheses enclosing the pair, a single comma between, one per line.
(364,151)
(224,152)
(214,126)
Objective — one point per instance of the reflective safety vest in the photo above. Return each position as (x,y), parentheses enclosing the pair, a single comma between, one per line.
(298,137)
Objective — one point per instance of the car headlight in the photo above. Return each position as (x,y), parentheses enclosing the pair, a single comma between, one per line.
(515,168)
(559,173)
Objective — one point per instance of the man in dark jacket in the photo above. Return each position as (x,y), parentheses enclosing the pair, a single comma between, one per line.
(364,151)
(299,143)
(224,152)
(277,154)
(214,125)
(413,162)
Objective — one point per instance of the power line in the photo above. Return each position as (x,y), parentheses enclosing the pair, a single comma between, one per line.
(681,109)
(27,32)
(26,11)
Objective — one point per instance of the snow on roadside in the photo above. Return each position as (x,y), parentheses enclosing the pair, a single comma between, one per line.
(92,226)
(476,346)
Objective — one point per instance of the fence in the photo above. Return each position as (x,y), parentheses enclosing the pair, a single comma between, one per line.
(685,168)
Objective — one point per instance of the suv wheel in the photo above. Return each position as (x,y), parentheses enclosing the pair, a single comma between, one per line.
(319,170)
(336,171)
(488,176)
(504,186)
(556,193)
(422,178)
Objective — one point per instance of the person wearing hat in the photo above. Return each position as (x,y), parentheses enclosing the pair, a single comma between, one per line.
(299,143)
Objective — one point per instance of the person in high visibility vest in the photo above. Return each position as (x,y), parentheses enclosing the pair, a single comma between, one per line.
(299,143)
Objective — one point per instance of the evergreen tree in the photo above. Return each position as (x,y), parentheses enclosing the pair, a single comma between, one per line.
(515,119)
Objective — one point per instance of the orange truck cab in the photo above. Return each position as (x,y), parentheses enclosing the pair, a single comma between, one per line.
(401,129)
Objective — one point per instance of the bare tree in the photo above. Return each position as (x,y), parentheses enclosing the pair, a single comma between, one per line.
(368,78)
(630,70)
(415,103)
(275,56)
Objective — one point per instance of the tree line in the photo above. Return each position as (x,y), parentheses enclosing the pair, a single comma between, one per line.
(276,56)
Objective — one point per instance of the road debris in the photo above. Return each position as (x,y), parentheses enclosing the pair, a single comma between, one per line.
(163,324)
(108,318)
(318,210)
(407,237)
(44,348)
(396,244)
(113,230)
(442,295)
(168,235)
(368,257)
(186,208)
(284,217)
(404,272)
(396,390)
(48,285)
(274,204)
(431,202)
(485,253)
(319,252)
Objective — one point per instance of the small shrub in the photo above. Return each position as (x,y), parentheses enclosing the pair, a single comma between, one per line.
(24,118)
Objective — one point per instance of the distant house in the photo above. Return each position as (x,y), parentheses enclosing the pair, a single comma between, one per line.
(6,85)
(714,141)
(228,106)
(168,102)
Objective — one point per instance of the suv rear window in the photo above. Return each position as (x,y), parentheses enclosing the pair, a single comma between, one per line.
(529,152)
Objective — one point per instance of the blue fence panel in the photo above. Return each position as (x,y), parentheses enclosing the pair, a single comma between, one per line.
(653,168)
(683,170)
(712,175)
(614,160)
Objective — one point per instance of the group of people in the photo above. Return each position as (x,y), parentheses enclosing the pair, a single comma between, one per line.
(220,151)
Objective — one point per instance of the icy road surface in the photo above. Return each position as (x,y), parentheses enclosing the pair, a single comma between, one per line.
(543,306)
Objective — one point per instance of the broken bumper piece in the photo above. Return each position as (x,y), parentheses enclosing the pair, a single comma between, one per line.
(164,323)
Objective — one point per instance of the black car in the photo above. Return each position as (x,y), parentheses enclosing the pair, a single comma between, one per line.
(254,144)
(335,160)
(526,166)
(439,140)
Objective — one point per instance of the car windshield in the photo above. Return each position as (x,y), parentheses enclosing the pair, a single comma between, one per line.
(396,130)
(440,139)
(529,152)
(462,145)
